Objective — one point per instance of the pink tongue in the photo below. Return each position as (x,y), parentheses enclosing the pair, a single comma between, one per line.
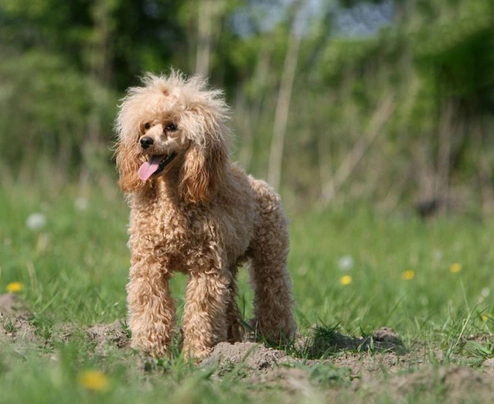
(149,167)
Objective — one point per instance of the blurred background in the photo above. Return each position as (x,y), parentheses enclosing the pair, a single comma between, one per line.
(388,103)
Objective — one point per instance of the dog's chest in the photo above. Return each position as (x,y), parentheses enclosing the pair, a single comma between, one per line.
(188,237)
(169,230)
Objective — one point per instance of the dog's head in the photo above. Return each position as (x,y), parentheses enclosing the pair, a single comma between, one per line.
(172,129)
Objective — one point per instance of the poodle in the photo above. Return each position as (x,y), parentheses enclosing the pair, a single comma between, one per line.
(194,211)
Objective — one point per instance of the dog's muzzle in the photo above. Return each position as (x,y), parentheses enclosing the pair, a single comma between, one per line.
(146,142)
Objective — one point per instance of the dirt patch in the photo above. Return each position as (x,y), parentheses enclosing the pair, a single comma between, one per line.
(15,324)
(453,384)
(373,375)
(100,336)
(16,327)
(346,360)
(12,306)
(250,356)
(104,335)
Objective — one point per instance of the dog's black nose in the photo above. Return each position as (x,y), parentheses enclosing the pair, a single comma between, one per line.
(146,142)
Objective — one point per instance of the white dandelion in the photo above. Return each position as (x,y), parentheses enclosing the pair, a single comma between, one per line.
(345,263)
(36,221)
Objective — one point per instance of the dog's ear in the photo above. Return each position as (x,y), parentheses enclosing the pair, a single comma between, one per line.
(127,165)
(202,172)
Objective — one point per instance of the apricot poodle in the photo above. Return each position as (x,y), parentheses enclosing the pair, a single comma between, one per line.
(194,211)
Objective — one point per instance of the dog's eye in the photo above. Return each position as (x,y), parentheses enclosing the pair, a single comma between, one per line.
(147,125)
(171,127)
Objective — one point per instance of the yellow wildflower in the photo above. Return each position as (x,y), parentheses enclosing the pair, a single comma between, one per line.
(15,287)
(485,317)
(94,380)
(408,275)
(455,268)
(346,280)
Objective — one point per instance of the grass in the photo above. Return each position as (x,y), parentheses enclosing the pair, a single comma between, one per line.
(431,282)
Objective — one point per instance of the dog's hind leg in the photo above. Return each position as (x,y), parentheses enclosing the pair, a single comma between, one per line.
(273,302)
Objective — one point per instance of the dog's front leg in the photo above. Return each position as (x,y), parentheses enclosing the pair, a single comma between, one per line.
(205,314)
(151,307)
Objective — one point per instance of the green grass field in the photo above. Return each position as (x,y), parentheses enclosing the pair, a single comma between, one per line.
(352,269)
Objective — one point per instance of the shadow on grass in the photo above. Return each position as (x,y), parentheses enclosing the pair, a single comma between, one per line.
(324,341)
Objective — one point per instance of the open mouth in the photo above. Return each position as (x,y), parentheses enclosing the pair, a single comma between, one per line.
(154,165)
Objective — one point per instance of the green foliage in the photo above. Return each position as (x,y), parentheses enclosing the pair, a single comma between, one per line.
(37,127)
(63,72)
(69,249)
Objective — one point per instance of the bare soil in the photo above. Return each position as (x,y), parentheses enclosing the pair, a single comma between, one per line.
(362,368)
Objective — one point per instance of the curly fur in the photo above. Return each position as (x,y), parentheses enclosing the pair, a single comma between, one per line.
(202,216)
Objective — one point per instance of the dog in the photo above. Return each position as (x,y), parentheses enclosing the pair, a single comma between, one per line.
(192,210)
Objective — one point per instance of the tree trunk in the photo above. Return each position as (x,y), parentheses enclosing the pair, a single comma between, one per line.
(204,37)
(445,134)
(249,113)
(281,113)
(98,66)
